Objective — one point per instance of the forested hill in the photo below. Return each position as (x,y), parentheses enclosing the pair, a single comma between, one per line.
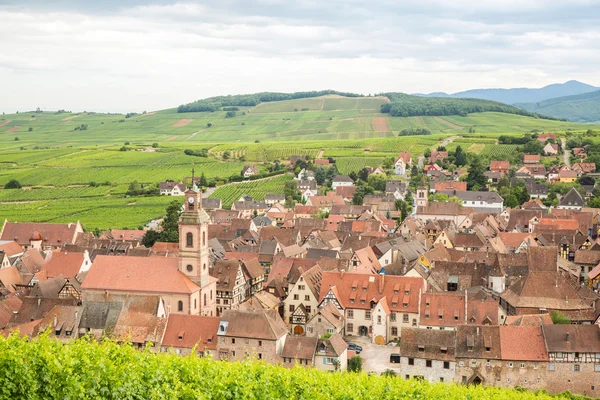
(251,100)
(406,105)
(580,108)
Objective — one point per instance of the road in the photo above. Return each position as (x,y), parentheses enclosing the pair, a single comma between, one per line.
(376,358)
(449,140)
(566,153)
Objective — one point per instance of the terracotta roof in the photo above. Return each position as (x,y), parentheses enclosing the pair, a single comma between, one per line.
(404,156)
(474,341)
(522,343)
(531,158)
(514,239)
(499,165)
(565,173)
(66,264)
(138,274)
(263,324)
(332,315)
(284,236)
(346,191)
(11,248)
(528,320)
(10,277)
(334,346)
(52,234)
(451,185)
(126,234)
(165,248)
(299,347)
(587,257)
(572,338)
(8,306)
(357,290)
(187,331)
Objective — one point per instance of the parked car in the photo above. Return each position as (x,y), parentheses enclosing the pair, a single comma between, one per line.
(354,347)
(395,358)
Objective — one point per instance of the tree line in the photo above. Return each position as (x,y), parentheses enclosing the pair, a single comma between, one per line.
(250,100)
(405,105)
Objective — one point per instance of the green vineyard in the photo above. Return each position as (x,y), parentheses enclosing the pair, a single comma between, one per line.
(255,189)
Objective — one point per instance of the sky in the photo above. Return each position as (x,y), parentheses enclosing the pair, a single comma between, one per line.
(133,56)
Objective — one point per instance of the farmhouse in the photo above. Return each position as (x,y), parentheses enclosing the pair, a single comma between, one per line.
(249,170)
(402,163)
(340,180)
(172,188)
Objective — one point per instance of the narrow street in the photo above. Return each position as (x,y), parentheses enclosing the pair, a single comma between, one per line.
(566,153)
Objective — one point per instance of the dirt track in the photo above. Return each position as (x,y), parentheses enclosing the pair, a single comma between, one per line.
(380,124)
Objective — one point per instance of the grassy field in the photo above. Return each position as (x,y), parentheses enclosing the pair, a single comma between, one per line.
(255,189)
(60,154)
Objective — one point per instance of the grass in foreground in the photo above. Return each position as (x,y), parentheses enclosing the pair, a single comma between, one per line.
(46,369)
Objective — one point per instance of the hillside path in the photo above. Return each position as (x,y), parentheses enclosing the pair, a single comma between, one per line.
(447,141)
(566,152)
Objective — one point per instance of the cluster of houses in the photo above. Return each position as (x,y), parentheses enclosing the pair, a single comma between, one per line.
(468,289)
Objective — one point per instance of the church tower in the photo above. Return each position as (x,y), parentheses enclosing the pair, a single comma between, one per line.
(193,249)
(422,194)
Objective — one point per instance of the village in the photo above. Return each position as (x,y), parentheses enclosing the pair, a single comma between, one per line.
(418,268)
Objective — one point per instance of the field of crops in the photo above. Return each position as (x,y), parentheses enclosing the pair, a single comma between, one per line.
(345,165)
(499,151)
(256,189)
(93,212)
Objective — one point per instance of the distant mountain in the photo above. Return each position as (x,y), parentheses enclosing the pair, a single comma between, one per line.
(523,95)
(579,108)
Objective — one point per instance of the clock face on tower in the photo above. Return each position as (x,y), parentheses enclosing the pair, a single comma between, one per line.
(191,200)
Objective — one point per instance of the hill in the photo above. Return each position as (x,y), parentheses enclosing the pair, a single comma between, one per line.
(523,95)
(47,369)
(579,108)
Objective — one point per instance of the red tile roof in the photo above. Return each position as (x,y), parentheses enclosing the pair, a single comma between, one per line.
(559,224)
(356,290)
(188,330)
(11,248)
(52,234)
(138,274)
(531,158)
(496,166)
(65,264)
(451,185)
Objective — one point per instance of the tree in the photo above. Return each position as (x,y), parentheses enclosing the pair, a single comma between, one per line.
(226,155)
(209,125)
(476,179)
(333,171)
(402,206)
(377,182)
(363,174)
(155,145)
(360,194)
(150,238)
(30,129)
(170,224)
(13,184)
(355,364)
(388,163)
(134,189)
(559,318)
(441,148)
(353,175)
(460,157)
(320,175)
(203,182)
(511,201)
(427,153)
(389,372)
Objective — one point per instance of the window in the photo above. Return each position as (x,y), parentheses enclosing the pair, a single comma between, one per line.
(306,298)
(464,379)
(203,238)
(488,363)
(204,300)
(411,361)
(551,367)
(428,363)
(232,340)
(260,343)
(367,314)
(443,350)
(379,320)
(350,328)
(309,329)
(180,306)
(330,330)
(287,360)
(308,309)
(414,323)
(488,349)
(405,318)
(446,364)
(291,308)
(525,380)
(350,314)
(597,368)
(576,368)
(522,365)
(393,317)
(441,379)
(473,364)
(461,364)
(189,239)
(296,297)
(196,303)
(190,268)
(510,365)
(246,341)
(260,356)
(394,331)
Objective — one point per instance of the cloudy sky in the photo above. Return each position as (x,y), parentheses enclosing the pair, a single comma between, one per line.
(130,55)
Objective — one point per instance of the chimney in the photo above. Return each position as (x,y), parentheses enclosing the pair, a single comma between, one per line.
(55,321)
(39,301)
(567,337)
(477,331)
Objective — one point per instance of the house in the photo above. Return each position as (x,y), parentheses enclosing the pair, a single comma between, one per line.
(332,354)
(299,350)
(272,199)
(427,354)
(536,171)
(402,163)
(325,203)
(544,137)
(341,180)
(250,207)
(579,152)
(305,175)
(327,320)
(295,159)
(249,170)
(375,306)
(431,169)
(502,167)
(322,161)
(41,236)
(445,311)
(488,202)
(571,201)
(437,156)
(567,176)
(450,185)
(537,190)
(572,358)
(303,299)
(531,159)
(551,149)
(584,168)
(183,282)
(243,334)
(346,192)
(184,332)
(172,188)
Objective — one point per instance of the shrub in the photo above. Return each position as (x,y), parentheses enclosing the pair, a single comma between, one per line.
(13,184)
(355,364)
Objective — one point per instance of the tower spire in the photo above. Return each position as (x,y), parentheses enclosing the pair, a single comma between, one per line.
(194,187)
